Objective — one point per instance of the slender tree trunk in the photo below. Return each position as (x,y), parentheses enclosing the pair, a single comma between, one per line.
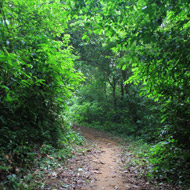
(105,90)
(122,91)
(122,87)
(114,94)
(132,107)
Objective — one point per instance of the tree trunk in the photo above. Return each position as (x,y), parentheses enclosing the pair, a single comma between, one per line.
(114,94)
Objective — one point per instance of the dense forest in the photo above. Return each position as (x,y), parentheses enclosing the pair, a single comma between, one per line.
(120,66)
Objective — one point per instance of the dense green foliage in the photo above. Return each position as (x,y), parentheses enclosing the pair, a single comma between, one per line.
(135,56)
(36,79)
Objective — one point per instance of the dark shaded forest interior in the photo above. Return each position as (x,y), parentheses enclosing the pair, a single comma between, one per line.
(121,67)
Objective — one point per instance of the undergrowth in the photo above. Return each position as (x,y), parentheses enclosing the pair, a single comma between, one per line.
(25,168)
(158,163)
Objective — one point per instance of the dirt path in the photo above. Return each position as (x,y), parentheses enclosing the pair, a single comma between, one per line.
(98,166)
(105,162)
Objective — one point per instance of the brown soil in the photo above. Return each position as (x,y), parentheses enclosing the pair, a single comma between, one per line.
(105,163)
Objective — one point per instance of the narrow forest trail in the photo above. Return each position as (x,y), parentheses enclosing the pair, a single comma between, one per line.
(98,165)
(105,163)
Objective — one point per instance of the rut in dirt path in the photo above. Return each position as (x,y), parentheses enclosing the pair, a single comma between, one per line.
(105,163)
